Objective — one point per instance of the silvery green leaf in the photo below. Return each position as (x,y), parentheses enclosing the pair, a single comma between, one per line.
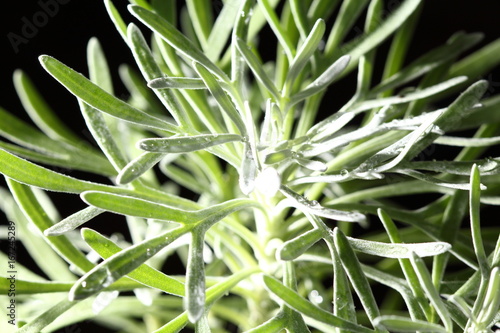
(323,81)
(305,52)
(176,83)
(403,324)
(257,68)
(398,250)
(293,248)
(175,38)
(351,109)
(433,180)
(453,47)
(73,221)
(278,156)
(221,29)
(248,170)
(138,167)
(194,302)
(400,148)
(184,144)
(488,166)
(314,208)
(309,164)
(220,96)
(467,142)
(369,130)
(98,98)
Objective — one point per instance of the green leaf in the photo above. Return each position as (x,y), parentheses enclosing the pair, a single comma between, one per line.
(457,44)
(489,310)
(40,112)
(28,173)
(293,248)
(356,275)
(122,263)
(116,19)
(296,302)
(283,37)
(194,302)
(313,207)
(47,317)
(150,70)
(138,167)
(81,157)
(128,205)
(433,180)
(431,292)
(73,221)
(220,96)
(403,324)
(305,52)
(24,287)
(213,294)
(394,250)
(177,83)
(275,324)
(98,67)
(221,30)
(323,81)
(475,225)
(184,144)
(35,213)
(346,18)
(363,45)
(257,68)
(96,97)
(144,273)
(175,38)
(200,13)
(467,142)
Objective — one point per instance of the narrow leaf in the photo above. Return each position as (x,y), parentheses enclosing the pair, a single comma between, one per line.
(177,83)
(194,302)
(296,302)
(293,248)
(403,324)
(186,143)
(36,325)
(313,207)
(257,68)
(431,292)
(122,263)
(73,221)
(40,112)
(96,97)
(395,250)
(138,167)
(323,81)
(175,38)
(144,274)
(356,276)
(305,52)
(222,29)
(35,213)
(128,205)
(220,96)
(475,225)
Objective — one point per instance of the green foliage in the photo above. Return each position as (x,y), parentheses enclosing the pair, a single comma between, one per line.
(274,238)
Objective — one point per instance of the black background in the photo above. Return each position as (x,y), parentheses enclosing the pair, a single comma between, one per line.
(66,34)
